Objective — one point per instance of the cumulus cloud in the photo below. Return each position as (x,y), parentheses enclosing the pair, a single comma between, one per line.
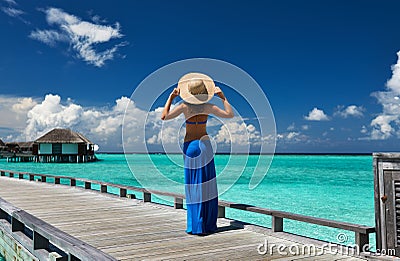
(237,131)
(13,111)
(84,37)
(316,115)
(350,111)
(23,105)
(103,125)
(49,114)
(382,127)
(291,137)
(387,123)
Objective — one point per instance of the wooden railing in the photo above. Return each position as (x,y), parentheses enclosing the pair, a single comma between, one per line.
(41,238)
(361,232)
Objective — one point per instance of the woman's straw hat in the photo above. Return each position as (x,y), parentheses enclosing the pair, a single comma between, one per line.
(196,88)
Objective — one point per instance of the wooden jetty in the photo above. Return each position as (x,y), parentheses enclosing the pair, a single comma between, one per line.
(67,218)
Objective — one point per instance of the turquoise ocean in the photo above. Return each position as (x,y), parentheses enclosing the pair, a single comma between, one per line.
(333,187)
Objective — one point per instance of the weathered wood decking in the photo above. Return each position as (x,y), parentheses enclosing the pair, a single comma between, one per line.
(133,230)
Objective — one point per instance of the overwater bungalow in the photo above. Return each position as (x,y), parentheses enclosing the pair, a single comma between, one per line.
(20,147)
(63,145)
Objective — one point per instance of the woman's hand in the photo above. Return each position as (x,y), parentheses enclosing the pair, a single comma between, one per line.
(175,112)
(174,93)
(219,93)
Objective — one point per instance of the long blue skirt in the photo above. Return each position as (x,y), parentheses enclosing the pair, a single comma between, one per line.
(200,187)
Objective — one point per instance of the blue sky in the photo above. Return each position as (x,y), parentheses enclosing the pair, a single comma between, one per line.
(318,62)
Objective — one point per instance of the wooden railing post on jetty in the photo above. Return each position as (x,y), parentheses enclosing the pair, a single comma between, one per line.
(39,237)
(361,232)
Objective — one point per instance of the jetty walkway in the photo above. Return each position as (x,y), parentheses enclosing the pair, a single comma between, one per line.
(64,218)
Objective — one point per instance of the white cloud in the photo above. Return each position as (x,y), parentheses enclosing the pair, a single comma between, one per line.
(291,137)
(305,127)
(387,123)
(49,114)
(49,37)
(394,82)
(103,125)
(238,132)
(13,111)
(13,12)
(291,127)
(316,115)
(83,36)
(23,105)
(97,19)
(350,111)
(382,128)
(10,2)
(364,129)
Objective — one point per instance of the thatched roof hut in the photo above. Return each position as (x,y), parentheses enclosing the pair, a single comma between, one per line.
(66,136)
(20,146)
(63,145)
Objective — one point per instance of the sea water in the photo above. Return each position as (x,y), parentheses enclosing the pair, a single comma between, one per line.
(332,187)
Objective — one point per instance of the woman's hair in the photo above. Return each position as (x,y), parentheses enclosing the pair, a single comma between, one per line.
(197,87)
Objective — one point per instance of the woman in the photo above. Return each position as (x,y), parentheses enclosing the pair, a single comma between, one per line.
(196,90)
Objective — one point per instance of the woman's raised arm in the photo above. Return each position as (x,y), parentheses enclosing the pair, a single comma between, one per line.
(166,114)
(214,109)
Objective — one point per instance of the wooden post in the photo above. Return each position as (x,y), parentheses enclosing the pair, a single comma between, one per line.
(20,176)
(72,182)
(88,185)
(146,197)
(221,211)
(178,203)
(16,225)
(71,257)
(277,224)
(31,177)
(3,214)
(122,192)
(361,241)
(103,188)
(11,175)
(39,241)
(2,173)
(56,180)
(43,179)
